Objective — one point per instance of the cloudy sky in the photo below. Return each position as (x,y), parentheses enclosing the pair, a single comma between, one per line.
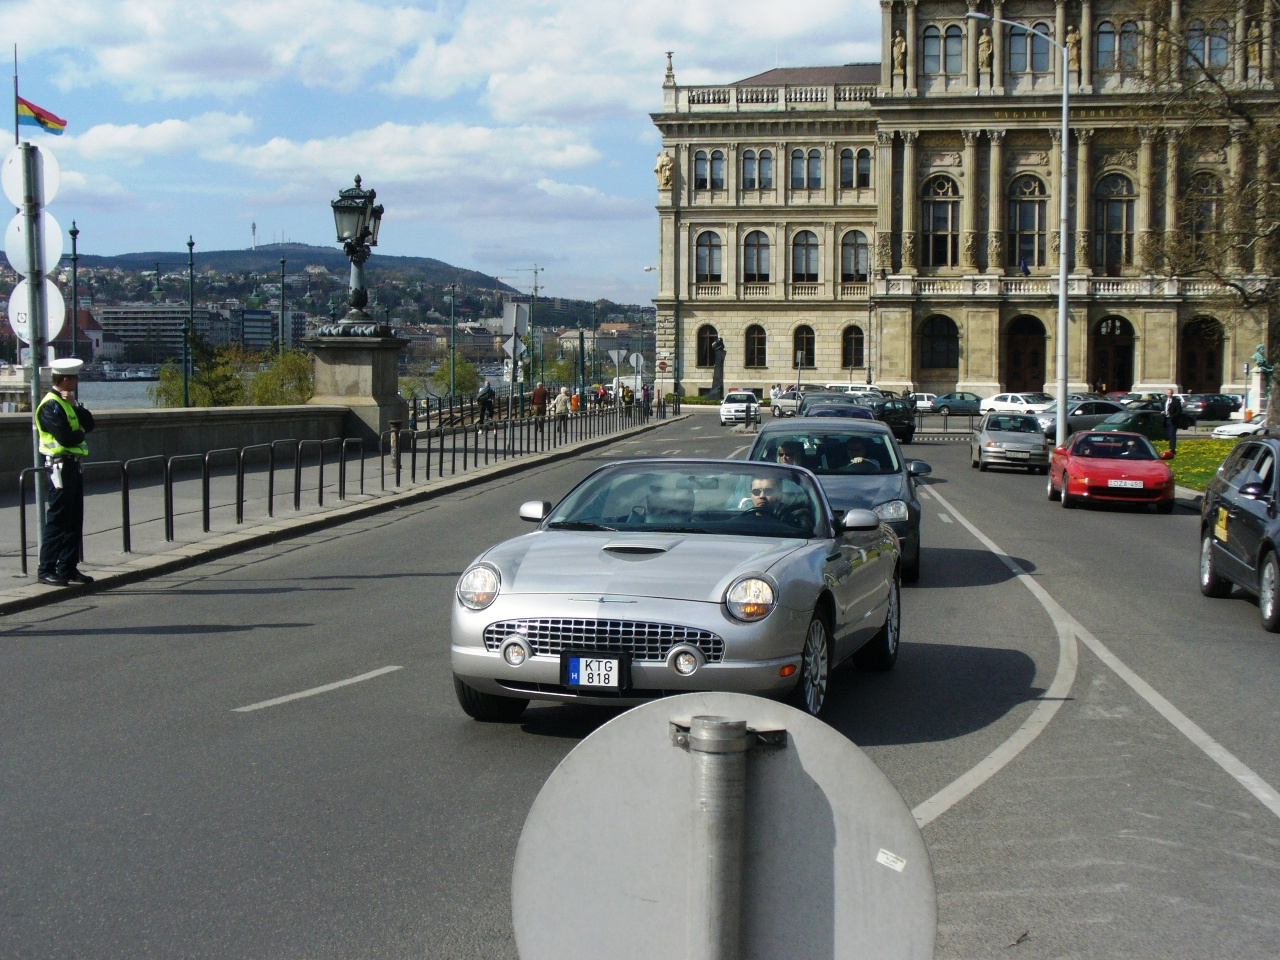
(498,133)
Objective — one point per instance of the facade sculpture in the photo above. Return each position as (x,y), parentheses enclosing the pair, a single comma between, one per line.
(1072,43)
(900,54)
(664,169)
(985,52)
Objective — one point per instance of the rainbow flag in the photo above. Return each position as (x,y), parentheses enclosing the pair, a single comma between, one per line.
(30,115)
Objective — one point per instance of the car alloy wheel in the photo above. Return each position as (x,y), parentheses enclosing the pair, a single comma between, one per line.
(815,667)
(1269,593)
(945,411)
(1068,502)
(881,653)
(1051,491)
(1212,584)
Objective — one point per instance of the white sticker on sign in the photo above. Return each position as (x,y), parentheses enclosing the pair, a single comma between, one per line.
(891,860)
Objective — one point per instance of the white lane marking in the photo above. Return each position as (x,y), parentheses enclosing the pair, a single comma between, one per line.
(922,493)
(944,518)
(733,455)
(673,452)
(314,690)
(1069,629)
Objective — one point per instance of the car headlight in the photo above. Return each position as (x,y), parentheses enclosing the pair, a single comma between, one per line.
(749,599)
(992,445)
(478,587)
(892,510)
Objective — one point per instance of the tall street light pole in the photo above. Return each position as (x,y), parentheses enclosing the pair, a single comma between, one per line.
(453,340)
(283,314)
(191,321)
(1064,250)
(75,293)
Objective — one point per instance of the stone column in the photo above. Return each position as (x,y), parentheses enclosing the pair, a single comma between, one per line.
(1142,213)
(1172,163)
(1086,48)
(886,47)
(971,48)
(884,202)
(1054,217)
(1268,42)
(1235,180)
(731,173)
(995,205)
(910,203)
(1264,259)
(912,42)
(969,203)
(829,271)
(831,172)
(1084,198)
(997,50)
(1241,57)
(1174,66)
(1060,68)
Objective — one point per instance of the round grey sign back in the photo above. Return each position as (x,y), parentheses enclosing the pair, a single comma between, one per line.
(833,864)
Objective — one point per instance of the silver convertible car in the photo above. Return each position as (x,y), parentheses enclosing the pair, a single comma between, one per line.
(655,577)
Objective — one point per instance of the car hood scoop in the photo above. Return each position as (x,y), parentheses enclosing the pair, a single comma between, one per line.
(630,550)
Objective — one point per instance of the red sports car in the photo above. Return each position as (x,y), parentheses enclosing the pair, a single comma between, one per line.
(1111,467)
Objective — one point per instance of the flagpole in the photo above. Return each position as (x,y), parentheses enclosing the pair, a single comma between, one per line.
(15,94)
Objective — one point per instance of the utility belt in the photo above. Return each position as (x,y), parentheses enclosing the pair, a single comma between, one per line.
(62,462)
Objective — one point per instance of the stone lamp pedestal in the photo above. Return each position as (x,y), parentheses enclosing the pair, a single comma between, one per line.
(360,372)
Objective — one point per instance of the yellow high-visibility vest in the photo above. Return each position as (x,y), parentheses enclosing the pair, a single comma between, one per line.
(49,445)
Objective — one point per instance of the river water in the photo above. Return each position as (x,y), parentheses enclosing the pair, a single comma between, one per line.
(116,395)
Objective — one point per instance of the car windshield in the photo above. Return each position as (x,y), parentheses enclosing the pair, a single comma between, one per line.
(740,398)
(1035,397)
(1013,423)
(1111,447)
(831,452)
(1118,418)
(733,498)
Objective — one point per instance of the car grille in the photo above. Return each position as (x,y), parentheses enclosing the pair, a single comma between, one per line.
(548,636)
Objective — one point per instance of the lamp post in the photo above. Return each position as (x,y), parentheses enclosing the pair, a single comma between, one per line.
(357,221)
(283,313)
(453,339)
(1064,249)
(75,293)
(157,293)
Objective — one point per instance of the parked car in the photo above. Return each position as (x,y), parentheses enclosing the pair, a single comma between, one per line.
(737,406)
(1081,415)
(1207,406)
(924,401)
(1149,423)
(1111,467)
(1239,528)
(957,402)
(1145,405)
(883,480)
(823,396)
(785,405)
(1009,440)
(855,411)
(1230,430)
(703,575)
(897,414)
(1016,403)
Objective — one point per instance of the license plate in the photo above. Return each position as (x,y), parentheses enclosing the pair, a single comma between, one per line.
(1127,484)
(1017,454)
(592,671)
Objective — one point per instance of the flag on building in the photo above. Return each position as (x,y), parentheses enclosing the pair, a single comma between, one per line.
(29,115)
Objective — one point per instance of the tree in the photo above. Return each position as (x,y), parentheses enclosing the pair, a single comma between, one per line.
(219,378)
(466,377)
(287,378)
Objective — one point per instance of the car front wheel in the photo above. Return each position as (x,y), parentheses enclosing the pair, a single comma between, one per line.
(1050,490)
(1269,593)
(881,653)
(815,668)
(945,411)
(486,707)
(1068,502)
(1212,583)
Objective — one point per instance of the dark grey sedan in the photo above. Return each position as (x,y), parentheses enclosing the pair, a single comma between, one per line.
(1081,415)
(1009,440)
(860,466)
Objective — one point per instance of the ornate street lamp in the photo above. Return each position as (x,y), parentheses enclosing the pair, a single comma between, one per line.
(357,221)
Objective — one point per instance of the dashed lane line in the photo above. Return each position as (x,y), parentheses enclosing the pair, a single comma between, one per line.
(315,690)
(944,518)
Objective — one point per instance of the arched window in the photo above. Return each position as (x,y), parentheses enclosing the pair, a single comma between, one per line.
(1018,59)
(955,51)
(1219,35)
(755,353)
(717,170)
(1113,223)
(855,257)
(1040,48)
(1105,48)
(802,350)
(1195,44)
(766,170)
(940,211)
(864,169)
(1129,48)
(1027,225)
(755,259)
(797,169)
(939,344)
(846,169)
(700,170)
(1204,199)
(804,257)
(707,336)
(748,170)
(852,348)
(815,169)
(1029,49)
(932,51)
(710,261)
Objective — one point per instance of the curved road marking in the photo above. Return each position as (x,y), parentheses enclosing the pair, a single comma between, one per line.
(1069,629)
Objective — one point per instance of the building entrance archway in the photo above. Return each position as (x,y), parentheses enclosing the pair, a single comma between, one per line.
(1111,354)
(1024,368)
(1200,351)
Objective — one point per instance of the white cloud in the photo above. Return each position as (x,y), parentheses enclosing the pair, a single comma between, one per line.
(133,143)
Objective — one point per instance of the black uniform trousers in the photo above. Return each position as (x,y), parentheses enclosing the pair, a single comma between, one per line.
(63,522)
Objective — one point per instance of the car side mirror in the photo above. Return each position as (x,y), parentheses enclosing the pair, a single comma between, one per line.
(918,468)
(1167,455)
(857,521)
(1255,491)
(1059,451)
(535,511)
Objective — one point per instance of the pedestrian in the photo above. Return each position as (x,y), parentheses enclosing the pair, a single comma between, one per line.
(561,409)
(61,422)
(539,405)
(486,396)
(648,399)
(1172,418)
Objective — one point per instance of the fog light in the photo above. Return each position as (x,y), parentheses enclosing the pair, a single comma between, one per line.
(788,671)
(515,652)
(685,663)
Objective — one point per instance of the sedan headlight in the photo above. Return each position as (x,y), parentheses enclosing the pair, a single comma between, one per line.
(478,587)
(750,599)
(992,445)
(893,510)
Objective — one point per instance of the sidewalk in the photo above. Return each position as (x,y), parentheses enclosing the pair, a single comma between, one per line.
(153,555)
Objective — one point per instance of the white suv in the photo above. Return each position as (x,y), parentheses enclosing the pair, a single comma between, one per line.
(735,406)
(1016,403)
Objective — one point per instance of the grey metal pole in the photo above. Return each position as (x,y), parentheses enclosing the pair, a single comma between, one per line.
(75,294)
(32,195)
(718,747)
(191,321)
(280,346)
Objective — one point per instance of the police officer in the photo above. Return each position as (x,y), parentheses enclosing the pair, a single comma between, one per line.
(62,423)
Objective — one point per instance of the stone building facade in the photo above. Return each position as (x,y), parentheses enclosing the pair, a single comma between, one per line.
(899,222)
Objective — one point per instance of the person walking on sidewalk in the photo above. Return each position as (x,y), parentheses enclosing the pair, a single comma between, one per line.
(62,422)
(561,409)
(486,397)
(539,405)
(1172,418)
